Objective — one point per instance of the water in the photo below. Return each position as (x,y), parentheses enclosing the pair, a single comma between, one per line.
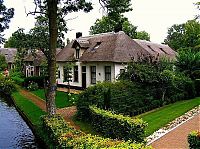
(14,132)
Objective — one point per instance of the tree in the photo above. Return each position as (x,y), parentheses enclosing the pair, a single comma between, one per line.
(6,15)
(50,8)
(175,37)
(184,35)
(115,21)
(107,25)
(3,63)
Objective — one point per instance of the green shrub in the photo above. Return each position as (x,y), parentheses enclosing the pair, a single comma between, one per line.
(18,80)
(32,86)
(6,85)
(194,140)
(125,97)
(117,126)
(197,86)
(38,80)
(65,136)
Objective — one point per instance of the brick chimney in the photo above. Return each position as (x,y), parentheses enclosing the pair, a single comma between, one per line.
(78,34)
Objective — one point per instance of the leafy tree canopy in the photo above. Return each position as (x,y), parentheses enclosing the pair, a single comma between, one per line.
(6,14)
(184,35)
(105,24)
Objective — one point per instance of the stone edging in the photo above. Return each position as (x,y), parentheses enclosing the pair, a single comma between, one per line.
(172,125)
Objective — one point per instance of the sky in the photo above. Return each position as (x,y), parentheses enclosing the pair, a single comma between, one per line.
(152,16)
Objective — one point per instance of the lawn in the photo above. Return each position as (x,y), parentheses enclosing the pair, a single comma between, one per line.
(62,98)
(158,118)
(32,111)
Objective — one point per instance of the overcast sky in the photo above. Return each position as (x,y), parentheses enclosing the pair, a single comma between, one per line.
(153,16)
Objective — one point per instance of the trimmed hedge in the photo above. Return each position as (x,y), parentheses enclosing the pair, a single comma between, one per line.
(117,126)
(194,140)
(38,80)
(65,136)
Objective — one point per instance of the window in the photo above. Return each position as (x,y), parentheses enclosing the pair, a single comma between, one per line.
(108,73)
(58,74)
(163,50)
(77,52)
(151,48)
(93,74)
(121,71)
(75,73)
(96,46)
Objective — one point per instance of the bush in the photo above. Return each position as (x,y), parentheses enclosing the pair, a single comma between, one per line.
(38,80)
(125,97)
(6,85)
(194,140)
(18,80)
(117,126)
(32,86)
(65,136)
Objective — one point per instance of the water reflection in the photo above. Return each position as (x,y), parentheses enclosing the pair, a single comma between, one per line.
(14,132)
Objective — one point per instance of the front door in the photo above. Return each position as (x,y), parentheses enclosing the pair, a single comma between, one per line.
(83,76)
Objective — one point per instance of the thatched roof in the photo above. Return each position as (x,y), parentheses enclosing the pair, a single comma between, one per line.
(114,47)
(9,54)
(37,57)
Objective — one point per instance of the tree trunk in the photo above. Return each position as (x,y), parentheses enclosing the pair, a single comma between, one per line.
(53,31)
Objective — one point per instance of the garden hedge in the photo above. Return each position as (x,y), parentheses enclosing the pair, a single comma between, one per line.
(65,136)
(117,126)
(194,140)
(38,80)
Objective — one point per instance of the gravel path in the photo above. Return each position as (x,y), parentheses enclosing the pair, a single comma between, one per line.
(177,138)
(67,113)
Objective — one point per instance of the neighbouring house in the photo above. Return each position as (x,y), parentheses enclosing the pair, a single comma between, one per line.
(103,56)
(9,54)
(33,62)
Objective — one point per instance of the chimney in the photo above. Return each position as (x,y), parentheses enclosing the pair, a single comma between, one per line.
(78,34)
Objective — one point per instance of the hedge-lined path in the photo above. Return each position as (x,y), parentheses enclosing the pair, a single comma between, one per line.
(177,138)
(67,112)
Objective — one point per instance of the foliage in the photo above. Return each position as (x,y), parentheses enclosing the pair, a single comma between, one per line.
(188,62)
(157,118)
(105,24)
(124,127)
(126,97)
(194,140)
(161,81)
(65,136)
(6,85)
(38,80)
(67,70)
(6,15)
(17,76)
(115,21)
(3,63)
(184,35)
(32,86)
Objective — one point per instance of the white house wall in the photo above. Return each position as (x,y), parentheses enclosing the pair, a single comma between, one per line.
(100,72)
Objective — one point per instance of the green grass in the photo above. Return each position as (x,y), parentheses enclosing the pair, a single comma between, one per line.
(32,111)
(158,118)
(62,98)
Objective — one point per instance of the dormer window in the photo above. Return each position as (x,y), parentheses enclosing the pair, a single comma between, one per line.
(77,52)
(96,46)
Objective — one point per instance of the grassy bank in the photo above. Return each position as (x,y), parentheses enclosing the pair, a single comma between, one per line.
(62,98)
(158,118)
(33,113)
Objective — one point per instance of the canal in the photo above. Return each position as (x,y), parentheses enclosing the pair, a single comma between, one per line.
(14,132)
